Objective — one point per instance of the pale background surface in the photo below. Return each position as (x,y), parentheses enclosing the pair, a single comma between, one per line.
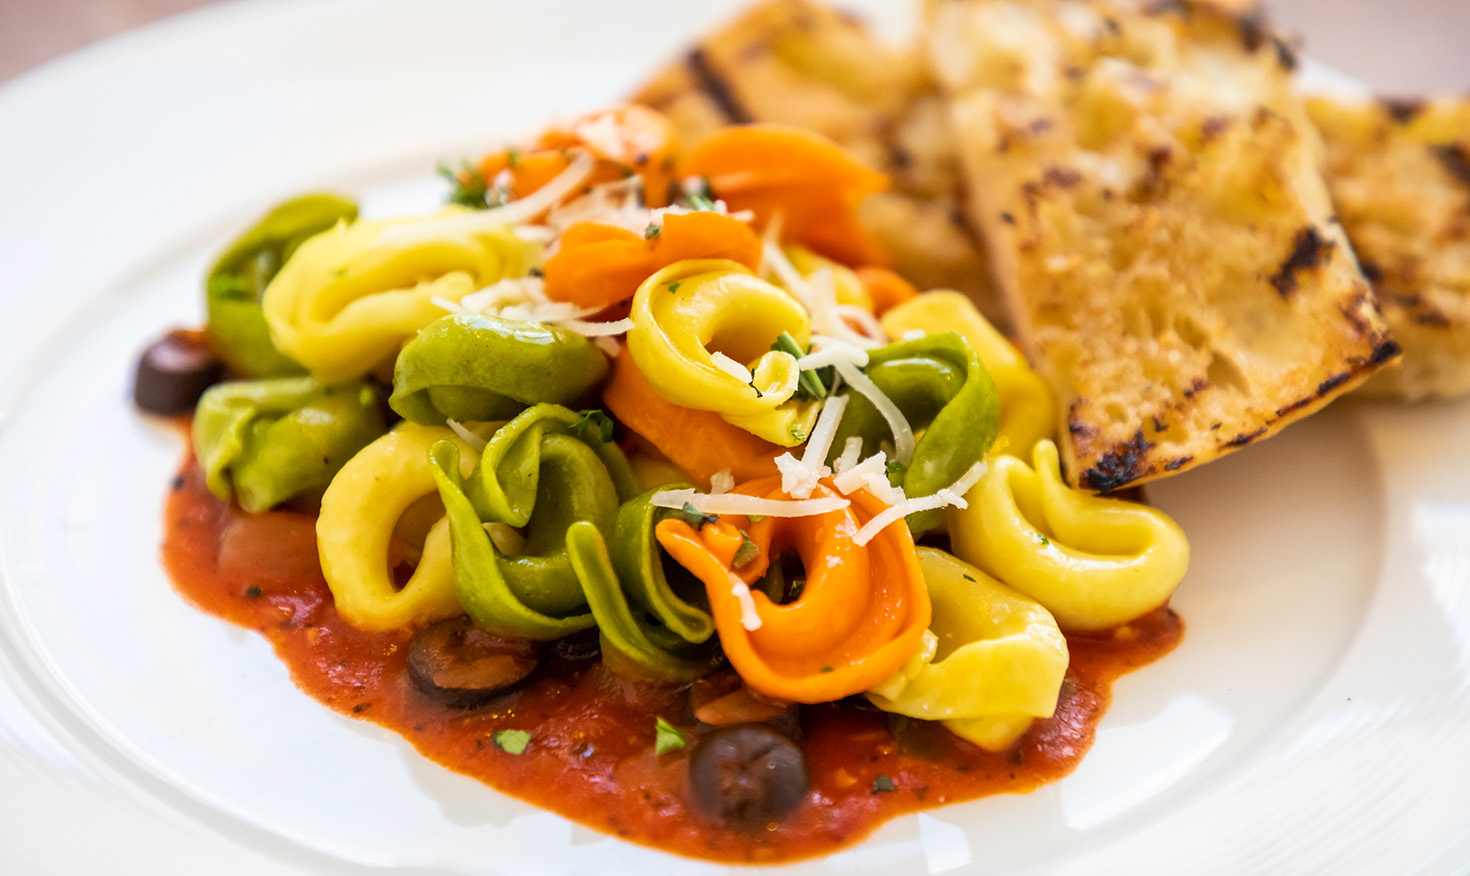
(1396,46)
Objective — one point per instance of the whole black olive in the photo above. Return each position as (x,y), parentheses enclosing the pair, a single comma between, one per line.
(748,775)
(174,372)
(463,666)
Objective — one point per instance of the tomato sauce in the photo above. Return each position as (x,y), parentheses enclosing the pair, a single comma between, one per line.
(591,751)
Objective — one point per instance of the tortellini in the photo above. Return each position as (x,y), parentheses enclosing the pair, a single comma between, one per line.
(845,282)
(686,309)
(360,511)
(1094,563)
(1028,409)
(942,389)
(539,473)
(263,442)
(349,297)
(237,327)
(992,660)
(484,368)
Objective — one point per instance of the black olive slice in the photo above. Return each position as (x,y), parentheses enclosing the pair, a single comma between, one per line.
(174,372)
(463,666)
(748,775)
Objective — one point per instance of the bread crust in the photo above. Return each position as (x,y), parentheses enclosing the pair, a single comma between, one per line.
(1149,188)
(1399,173)
(803,63)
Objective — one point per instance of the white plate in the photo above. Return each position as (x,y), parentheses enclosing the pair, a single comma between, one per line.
(1315,719)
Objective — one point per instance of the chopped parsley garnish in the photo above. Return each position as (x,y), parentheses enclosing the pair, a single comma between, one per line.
(755,518)
(699,194)
(882,784)
(512,157)
(468,186)
(596,418)
(896,469)
(700,202)
(512,741)
(747,551)
(797,433)
(827,669)
(810,385)
(696,518)
(667,737)
(674,286)
(653,230)
(797,585)
(1043,539)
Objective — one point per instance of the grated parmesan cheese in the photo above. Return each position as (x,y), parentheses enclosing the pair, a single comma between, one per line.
(852,450)
(953,495)
(731,367)
(872,475)
(737,503)
(515,213)
(465,435)
(721,482)
(829,352)
(903,434)
(797,478)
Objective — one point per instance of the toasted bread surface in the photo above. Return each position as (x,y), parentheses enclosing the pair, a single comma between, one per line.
(1399,173)
(803,63)
(1149,188)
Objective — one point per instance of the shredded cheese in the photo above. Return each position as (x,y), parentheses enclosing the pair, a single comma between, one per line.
(515,213)
(953,495)
(903,434)
(465,435)
(737,503)
(797,478)
(608,346)
(872,475)
(597,329)
(730,367)
(829,352)
(721,482)
(852,450)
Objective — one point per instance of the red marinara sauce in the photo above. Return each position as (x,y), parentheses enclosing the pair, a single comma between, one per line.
(591,755)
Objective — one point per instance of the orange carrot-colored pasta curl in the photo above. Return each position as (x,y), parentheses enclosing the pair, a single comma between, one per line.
(860,616)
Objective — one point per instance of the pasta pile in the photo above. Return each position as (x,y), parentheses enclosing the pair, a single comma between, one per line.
(675,396)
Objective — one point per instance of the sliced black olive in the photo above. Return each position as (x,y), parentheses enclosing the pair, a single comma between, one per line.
(174,372)
(586,645)
(748,775)
(463,666)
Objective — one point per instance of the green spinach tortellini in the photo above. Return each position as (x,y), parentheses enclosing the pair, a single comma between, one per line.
(940,385)
(484,368)
(263,442)
(350,297)
(237,327)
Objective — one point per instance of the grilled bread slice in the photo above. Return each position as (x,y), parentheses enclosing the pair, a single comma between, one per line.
(1149,188)
(802,63)
(1399,173)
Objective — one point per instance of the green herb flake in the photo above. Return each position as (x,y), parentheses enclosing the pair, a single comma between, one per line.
(696,518)
(667,737)
(883,784)
(809,385)
(896,469)
(1043,540)
(512,741)
(512,157)
(674,286)
(747,552)
(701,203)
(967,577)
(653,230)
(827,669)
(596,418)
(468,187)
(797,586)
(797,433)
(755,518)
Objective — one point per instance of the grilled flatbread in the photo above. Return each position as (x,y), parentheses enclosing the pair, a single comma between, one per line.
(1399,173)
(802,63)
(1148,185)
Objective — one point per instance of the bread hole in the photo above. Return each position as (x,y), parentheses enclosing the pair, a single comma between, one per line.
(1223,372)
(1190,333)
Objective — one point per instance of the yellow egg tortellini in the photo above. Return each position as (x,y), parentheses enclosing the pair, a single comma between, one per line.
(690,312)
(1094,563)
(360,511)
(992,660)
(348,298)
(1028,410)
